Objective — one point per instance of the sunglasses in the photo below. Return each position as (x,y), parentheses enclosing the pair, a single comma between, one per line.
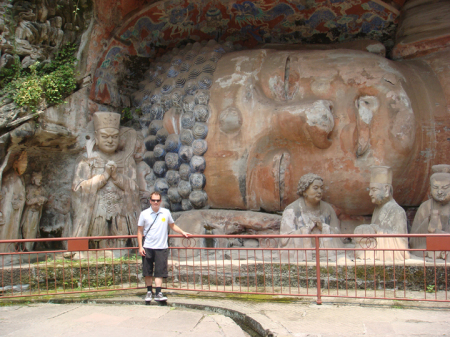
(153,200)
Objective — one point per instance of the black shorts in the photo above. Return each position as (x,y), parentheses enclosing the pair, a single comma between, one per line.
(159,258)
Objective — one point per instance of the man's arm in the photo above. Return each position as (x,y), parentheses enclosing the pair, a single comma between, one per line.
(140,235)
(177,229)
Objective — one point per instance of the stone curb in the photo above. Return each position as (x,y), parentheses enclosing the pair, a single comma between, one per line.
(245,321)
(250,318)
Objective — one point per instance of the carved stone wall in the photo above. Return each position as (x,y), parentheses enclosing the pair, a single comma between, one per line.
(186,77)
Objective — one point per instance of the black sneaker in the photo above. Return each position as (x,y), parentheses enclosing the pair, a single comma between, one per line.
(149,296)
(160,297)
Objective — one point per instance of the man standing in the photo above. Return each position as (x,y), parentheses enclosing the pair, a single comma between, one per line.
(152,226)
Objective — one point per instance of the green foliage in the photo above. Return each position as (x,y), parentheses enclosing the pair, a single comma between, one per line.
(51,82)
(29,90)
(430,288)
(126,114)
(58,84)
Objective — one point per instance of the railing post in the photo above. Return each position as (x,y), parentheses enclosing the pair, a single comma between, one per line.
(319,299)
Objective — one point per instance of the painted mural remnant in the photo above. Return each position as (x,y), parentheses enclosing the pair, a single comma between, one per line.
(163,26)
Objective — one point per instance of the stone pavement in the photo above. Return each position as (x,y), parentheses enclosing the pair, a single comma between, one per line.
(54,320)
(124,313)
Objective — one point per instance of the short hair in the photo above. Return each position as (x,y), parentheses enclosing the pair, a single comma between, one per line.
(306,181)
(156,193)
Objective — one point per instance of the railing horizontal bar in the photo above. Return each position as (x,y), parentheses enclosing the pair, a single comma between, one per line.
(235,236)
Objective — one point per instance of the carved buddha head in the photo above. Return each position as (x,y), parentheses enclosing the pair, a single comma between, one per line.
(276,115)
(106,126)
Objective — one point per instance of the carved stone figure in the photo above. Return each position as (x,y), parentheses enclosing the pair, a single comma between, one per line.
(276,115)
(35,200)
(143,170)
(105,191)
(433,215)
(225,222)
(309,215)
(387,218)
(13,201)
(56,34)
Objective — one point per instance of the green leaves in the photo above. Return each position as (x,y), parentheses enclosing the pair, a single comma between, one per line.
(58,84)
(51,82)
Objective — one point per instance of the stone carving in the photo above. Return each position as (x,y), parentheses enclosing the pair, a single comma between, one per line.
(35,200)
(143,170)
(38,29)
(264,114)
(105,189)
(309,215)
(220,222)
(277,114)
(433,215)
(387,218)
(62,219)
(13,201)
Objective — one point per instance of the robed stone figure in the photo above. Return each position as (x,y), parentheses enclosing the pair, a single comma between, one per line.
(388,218)
(105,191)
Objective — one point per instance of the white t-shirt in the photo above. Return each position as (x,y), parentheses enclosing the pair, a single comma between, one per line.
(156,238)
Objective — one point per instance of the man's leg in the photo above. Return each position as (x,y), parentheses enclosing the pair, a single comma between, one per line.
(147,269)
(149,280)
(158,281)
(160,272)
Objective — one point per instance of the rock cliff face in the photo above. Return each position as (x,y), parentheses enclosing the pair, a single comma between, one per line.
(230,104)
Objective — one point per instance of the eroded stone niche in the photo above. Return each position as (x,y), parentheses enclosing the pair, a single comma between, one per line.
(228,128)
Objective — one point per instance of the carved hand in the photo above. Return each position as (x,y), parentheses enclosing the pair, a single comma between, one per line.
(107,172)
(319,224)
(316,223)
(112,168)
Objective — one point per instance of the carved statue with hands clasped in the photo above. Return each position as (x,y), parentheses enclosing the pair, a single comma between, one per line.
(433,215)
(387,218)
(309,215)
(105,190)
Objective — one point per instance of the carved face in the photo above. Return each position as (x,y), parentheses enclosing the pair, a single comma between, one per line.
(37,180)
(107,140)
(378,193)
(313,193)
(17,201)
(277,115)
(440,189)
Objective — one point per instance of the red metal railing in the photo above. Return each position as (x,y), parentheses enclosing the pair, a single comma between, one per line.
(250,264)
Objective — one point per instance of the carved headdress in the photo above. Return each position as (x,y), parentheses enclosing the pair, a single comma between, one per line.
(381,175)
(103,120)
(440,171)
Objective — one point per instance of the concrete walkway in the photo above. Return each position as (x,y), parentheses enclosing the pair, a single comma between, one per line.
(125,314)
(58,320)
